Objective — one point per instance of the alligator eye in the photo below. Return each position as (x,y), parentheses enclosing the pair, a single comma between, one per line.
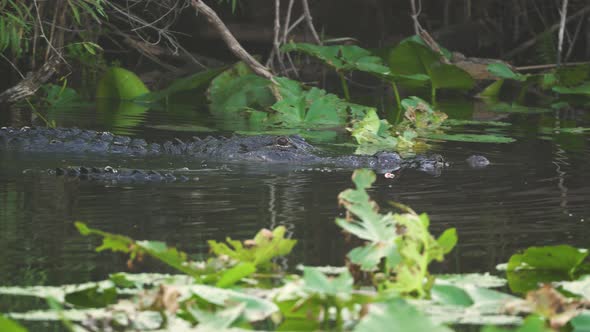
(283,141)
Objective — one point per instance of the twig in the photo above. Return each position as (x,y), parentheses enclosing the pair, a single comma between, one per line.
(415,14)
(550,65)
(553,28)
(574,38)
(231,41)
(563,13)
(309,20)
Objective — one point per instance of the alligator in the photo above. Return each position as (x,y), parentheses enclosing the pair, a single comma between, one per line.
(261,148)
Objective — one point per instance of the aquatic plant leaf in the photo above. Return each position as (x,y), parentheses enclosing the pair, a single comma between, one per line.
(492,90)
(59,96)
(342,57)
(220,320)
(259,251)
(188,83)
(447,240)
(369,256)
(56,292)
(159,250)
(373,134)
(236,273)
(120,84)
(417,249)
(237,89)
(8,325)
(256,308)
(569,76)
(563,258)
(448,294)
(543,264)
(411,57)
(310,108)
(482,280)
(581,323)
(92,297)
(516,108)
(456,122)
(450,76)
(397,315)
(532,323)
(319,283)
(583,89)
(477,138)
(501,70)
(579,287)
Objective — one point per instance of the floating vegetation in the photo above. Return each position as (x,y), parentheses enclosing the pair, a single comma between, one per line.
(241,287)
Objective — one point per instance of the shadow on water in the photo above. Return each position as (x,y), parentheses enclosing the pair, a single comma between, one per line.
(536,192)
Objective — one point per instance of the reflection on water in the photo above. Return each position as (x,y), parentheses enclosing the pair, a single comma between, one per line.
(536,192)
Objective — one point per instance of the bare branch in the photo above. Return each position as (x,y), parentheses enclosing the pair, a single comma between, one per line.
(231,41)
(309,20)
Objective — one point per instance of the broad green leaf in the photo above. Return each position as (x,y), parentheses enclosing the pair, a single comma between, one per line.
(92,297)
(476,138)
(501,70)
(543,264)
(237,89)
(581,323)
(256,308)
(447,294)
(191,82)
(583,89)
(531,324)
(235,274)
(562,258)
(449,76)
(8,325)
(492,90)
(122,84)
(319,283)
(397,315)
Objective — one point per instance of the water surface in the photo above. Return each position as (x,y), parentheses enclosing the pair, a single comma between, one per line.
(536,192)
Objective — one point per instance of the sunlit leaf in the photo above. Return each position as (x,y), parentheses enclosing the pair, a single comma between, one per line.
(120,83)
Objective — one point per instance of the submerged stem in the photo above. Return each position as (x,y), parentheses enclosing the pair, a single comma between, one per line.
(344,86)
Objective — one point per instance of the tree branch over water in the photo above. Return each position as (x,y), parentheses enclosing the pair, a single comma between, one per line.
(231,41)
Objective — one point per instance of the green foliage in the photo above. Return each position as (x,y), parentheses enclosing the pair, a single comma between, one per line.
(8,325)
(343,58)
(532,323)
(259,251)
(397,315)
(186,84)
(411,58)
(238,89)
(544,264)
(308,108)
(374,134)
(398,243)
(501,70)
(137,249)
(120,84)
(15,26)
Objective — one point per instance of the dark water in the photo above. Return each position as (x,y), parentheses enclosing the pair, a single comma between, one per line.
(536,192)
